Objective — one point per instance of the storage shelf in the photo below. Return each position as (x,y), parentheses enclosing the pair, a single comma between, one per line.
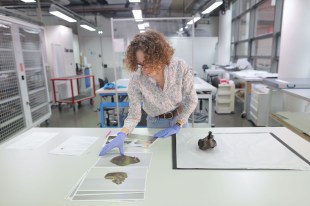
(297,127)
(225,99)
(9,99)
(11,120)
(8,71)
(33,68)
(28,50)
(38,107)
(5,49)
(36,90)
(223,93)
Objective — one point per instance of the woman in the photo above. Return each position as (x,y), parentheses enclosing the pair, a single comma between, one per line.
(163,84)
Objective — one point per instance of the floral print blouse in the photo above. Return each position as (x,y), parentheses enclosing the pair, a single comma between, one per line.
(178,89)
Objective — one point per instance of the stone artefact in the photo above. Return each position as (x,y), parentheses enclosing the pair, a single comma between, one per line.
(116,177)
(207,143)
(124,160)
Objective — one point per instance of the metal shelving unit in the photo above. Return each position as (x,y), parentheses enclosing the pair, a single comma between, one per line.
(11,108)
(24,100)
(35,75)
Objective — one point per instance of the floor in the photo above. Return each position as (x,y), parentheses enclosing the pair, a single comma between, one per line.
(88,116)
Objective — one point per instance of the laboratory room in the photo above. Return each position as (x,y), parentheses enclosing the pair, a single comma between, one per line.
(154,102)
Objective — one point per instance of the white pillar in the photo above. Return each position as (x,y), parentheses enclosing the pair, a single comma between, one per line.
(295,40)
(223,50)
(294,49)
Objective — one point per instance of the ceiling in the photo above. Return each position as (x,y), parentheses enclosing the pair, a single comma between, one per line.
(114,8)
(94,11)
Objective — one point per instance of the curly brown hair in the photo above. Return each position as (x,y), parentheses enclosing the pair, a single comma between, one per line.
(157,50)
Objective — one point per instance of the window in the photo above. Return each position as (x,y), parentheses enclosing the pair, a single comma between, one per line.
(245,5)
(233,30)
(262,64)
(244,26)
(242,49)
(264,20)
(262,47)
(234,9)
(256,27)
(232,49)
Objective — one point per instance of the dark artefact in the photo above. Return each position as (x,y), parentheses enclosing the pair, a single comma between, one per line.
(116,177)
(124,160)
(207,142)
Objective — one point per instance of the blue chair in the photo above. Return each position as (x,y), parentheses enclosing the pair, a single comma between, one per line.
(111,105)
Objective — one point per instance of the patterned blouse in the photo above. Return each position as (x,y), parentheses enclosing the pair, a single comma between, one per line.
(178,89)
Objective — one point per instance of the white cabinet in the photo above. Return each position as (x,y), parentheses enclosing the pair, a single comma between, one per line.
(225,98)
(259,107)
(24,98)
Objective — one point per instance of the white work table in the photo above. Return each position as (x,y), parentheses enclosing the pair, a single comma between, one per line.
(249,77)
(299,93)
(296,121)
(36,178)
(204,90)
(199,84)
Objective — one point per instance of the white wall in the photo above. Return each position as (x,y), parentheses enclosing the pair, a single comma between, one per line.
(62,36)
(295,44)
(61,63)
(90,47)
(223,50)
(204,51)
(76,49)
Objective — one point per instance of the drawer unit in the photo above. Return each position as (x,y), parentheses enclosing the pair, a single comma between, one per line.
(225,98)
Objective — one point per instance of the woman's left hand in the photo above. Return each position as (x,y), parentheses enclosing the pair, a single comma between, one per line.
(168,132)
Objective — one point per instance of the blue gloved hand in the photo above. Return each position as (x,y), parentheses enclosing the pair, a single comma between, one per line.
(118,141)
(168,132)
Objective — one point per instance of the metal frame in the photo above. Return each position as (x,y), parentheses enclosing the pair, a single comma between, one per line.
(74,99)
(105,105)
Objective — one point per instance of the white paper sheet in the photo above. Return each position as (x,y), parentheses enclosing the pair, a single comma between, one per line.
(238,151)
(75,145)
(32,141)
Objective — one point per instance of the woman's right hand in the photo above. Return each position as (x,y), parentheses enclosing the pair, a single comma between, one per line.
(118,141)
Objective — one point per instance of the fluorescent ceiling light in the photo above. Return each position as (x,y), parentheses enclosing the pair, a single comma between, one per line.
(134,1)
(186,27)
(195,19)
(181,29)
(137,13)
(29,1)
(146,24)
(56,11)
(100,32)
(215,4)
(87,27)
(141,26)
(62,16)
